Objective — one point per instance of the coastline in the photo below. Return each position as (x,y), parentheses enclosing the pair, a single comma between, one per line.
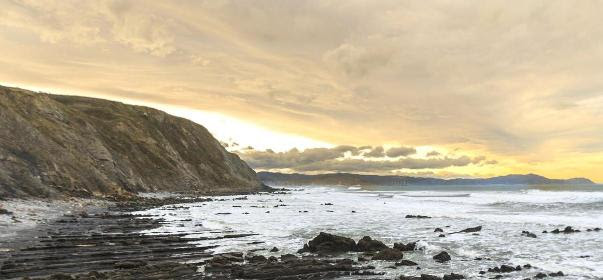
(82,239)
(18,215)
(25,214)
(147,238)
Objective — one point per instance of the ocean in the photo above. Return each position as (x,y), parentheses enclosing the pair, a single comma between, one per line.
(281,220)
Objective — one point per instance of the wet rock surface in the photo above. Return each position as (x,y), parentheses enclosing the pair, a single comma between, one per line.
(442,257)
(470,230)
(367,244)
(417,217)
(110,245)
(570,229)
(528,234)
(108,242)
(293,269)
(406,247)
(107,245)
(453,276)
(329,243)
(388,255)
(406,263)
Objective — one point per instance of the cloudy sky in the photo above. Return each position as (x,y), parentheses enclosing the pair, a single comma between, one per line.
(436,88)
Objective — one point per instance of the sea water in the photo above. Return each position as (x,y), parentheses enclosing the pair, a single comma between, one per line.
(281,220)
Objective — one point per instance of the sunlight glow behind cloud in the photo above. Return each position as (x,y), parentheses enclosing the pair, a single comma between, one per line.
(519,84)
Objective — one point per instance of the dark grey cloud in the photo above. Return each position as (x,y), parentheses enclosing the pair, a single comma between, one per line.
(270,159)
(335,160)
(376,152)
(433,154)
(400,151)
(385,166)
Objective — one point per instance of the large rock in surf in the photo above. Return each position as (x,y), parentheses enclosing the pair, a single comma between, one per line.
(367,244)
(406,263)
(405,247)
(442,257)
(329,243)
(52,145)
(453,276)
(471,229)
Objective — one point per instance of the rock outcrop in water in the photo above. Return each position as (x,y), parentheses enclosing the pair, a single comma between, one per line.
(329,243)
(367,244)
(52,145)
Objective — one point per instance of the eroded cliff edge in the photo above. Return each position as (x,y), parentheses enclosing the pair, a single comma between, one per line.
(53,145)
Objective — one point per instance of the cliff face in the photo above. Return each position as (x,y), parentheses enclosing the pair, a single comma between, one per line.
(54,145)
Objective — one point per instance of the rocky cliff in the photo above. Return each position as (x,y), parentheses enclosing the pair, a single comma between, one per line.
(52,145)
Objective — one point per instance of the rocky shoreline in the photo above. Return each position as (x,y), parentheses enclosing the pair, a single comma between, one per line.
(114,242)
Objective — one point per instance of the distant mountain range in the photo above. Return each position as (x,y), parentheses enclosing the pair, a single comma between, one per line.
(348,179)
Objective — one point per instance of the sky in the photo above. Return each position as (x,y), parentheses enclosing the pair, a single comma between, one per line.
(431,88)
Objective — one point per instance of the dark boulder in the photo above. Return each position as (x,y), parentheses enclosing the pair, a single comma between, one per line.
(540,275)
(507,268)
(442,257)
(438,230)
(557,274)
(472,229)
(405,247)
(257,259)
(329,243)
(453,276)
(274,249)
(288,257)
(566,230)
(417,217)
(367,244)
(406,263)
(367,273)
(429,277)
(388,255)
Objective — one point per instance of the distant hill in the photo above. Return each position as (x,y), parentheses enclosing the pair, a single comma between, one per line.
(348,179)
(53,145)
